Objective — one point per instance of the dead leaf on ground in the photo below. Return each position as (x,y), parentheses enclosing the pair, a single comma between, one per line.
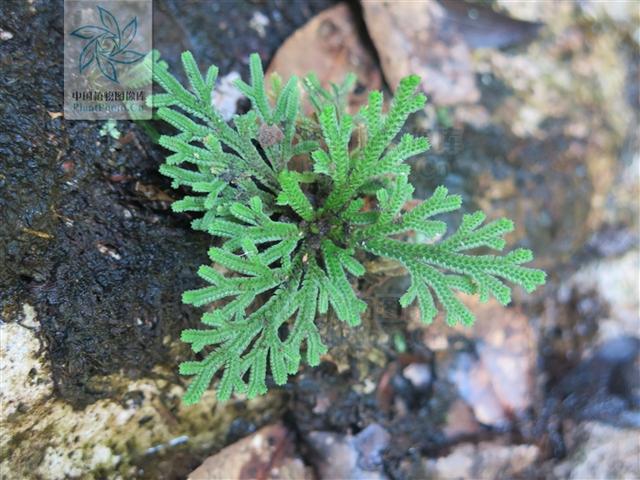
(435,40)
(330,46)
(37,233)
(151,192)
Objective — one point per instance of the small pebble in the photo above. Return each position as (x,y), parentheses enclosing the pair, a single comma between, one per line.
(419,374)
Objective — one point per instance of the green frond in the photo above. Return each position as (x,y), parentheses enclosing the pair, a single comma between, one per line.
(256,91)
(405,102)
(373,113)
(336,95)
(198,84)
(346,304)
(287,242)
(408,147)
(293,195)
(484,274)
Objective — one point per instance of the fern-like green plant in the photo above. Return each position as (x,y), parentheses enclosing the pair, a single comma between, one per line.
(289,241)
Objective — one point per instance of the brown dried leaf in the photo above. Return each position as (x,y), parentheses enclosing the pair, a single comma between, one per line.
(330,46)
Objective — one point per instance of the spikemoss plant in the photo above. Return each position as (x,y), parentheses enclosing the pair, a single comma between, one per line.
(288,242)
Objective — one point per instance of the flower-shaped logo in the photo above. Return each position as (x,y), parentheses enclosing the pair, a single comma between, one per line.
(107,44)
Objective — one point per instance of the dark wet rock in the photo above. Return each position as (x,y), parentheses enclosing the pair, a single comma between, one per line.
(326,401)
(603,386)
(226,36)
(323,400)
(102,261)
(100,313)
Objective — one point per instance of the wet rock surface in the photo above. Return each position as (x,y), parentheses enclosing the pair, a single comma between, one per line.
(93,265)
(98,260)
(88,237)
